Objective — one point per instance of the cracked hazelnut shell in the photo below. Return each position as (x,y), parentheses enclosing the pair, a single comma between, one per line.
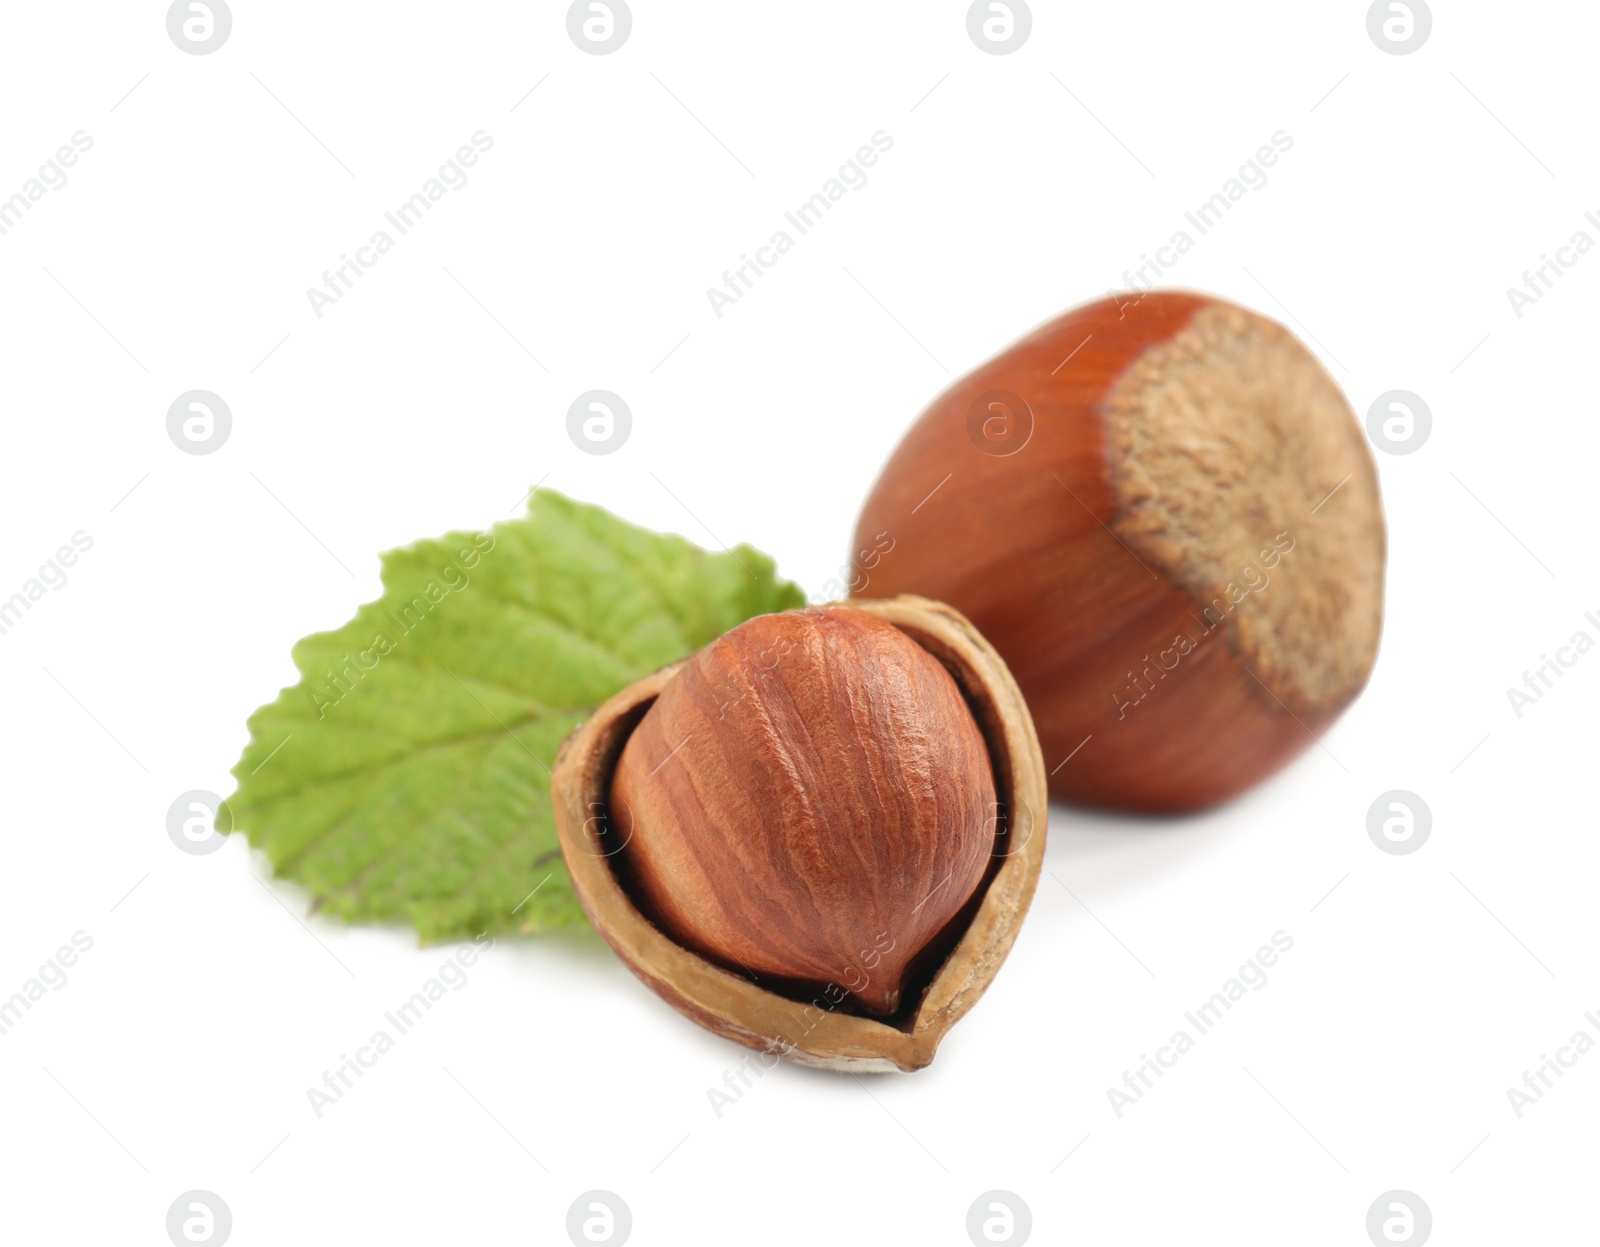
(834,823)
(1164,515)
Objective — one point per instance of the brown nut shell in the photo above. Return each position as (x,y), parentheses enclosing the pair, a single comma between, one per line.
(820,1028)
(1163,513)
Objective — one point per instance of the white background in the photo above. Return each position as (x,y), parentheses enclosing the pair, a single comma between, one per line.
(430,398)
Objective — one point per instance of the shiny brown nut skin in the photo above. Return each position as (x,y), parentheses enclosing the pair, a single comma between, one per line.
(810,792)
(1163,514)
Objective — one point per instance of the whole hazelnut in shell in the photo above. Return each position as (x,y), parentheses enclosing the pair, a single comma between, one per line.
(819,834)
(1162,512)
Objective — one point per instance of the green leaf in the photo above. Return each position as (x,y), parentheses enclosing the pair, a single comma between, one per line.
(406,778)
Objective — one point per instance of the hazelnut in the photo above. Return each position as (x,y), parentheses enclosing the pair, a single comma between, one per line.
(1165,517)
(818,835)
